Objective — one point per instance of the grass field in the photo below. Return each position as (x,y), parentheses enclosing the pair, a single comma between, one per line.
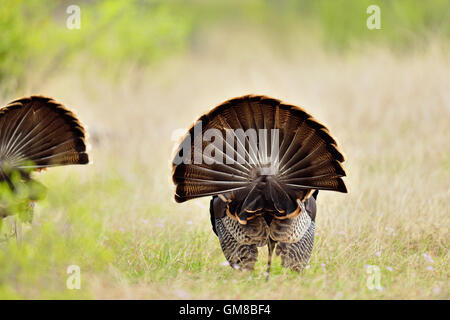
(116,218)
(117,221)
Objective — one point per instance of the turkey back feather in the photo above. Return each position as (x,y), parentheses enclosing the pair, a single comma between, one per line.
(36,133)
(258,155)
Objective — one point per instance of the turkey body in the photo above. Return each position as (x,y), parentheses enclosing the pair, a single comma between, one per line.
(263,162)
(36,133)
(294,237)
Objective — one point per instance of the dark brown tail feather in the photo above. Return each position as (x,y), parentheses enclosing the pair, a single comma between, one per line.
(308,159)
(37,132)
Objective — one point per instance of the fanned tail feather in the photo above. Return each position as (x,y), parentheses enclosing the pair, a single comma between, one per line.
(37,132)
(294,155)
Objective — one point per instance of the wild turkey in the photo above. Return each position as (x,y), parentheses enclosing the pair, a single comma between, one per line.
(36,133)
(263,162)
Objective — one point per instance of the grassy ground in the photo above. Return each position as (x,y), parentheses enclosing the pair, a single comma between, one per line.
(116,218)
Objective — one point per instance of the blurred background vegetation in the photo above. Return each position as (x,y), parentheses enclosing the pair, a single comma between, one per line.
(34,36)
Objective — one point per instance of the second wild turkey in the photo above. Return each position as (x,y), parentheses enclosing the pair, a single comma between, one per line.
(263,162)
(36,133)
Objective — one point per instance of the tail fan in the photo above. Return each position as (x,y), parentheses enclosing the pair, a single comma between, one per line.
(258,155)
(37,133)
